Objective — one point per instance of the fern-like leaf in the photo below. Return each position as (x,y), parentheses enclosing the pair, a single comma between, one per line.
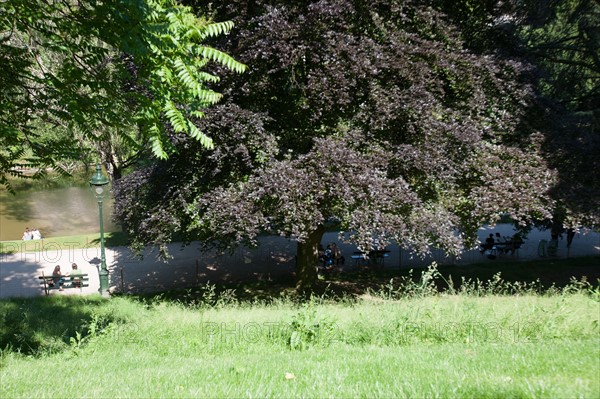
(216,29)
(198,114)
(207,77)
(222,58)
(208,96)
(201,137)
(185,74)
(176,118)
(155,143)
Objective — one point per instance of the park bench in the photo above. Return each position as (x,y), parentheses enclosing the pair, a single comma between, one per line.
(75,281)
(502,248)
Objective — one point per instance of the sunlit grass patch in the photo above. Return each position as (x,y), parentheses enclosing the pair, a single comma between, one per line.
(460,345)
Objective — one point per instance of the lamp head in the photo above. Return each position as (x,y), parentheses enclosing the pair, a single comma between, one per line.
(98,182)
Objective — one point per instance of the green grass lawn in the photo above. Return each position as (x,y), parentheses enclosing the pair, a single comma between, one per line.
(425,344)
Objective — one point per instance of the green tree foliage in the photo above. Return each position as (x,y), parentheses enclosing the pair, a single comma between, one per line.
(561,39)
(372,114)
(564,38)
(136,65)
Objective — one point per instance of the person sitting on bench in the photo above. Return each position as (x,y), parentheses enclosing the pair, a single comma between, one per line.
(57,278)
(488,244)
(337,256)
(75,275)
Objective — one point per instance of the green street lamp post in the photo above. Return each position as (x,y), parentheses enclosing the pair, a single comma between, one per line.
(98,184)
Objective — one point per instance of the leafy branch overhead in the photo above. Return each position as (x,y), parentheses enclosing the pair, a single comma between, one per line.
(92,66)
(174,72)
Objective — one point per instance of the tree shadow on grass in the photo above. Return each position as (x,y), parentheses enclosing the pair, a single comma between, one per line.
(113,239)
(337,286)
(224,292)
(543,274)
(36,326)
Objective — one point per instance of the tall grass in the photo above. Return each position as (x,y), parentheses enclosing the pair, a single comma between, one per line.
(432,281)
(404,340)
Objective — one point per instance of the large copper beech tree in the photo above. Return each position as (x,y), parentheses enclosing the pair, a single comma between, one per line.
(371,114)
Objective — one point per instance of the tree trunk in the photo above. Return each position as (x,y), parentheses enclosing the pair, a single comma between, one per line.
(306,261)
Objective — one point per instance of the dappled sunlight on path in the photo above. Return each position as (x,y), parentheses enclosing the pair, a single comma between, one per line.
(273,260)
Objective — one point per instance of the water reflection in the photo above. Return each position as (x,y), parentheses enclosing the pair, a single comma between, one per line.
(55,212)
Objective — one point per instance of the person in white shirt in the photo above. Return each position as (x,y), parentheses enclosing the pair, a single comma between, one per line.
(27,235)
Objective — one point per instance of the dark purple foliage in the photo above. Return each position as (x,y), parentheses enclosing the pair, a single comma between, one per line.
(369,113)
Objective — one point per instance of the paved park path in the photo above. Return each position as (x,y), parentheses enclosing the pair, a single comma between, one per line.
(19,270)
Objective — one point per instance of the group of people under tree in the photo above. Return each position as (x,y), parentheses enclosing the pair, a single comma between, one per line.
(505,244)
(58,278)
(330,256)
(31,234)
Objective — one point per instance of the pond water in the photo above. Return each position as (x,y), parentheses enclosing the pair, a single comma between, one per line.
(55,212)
